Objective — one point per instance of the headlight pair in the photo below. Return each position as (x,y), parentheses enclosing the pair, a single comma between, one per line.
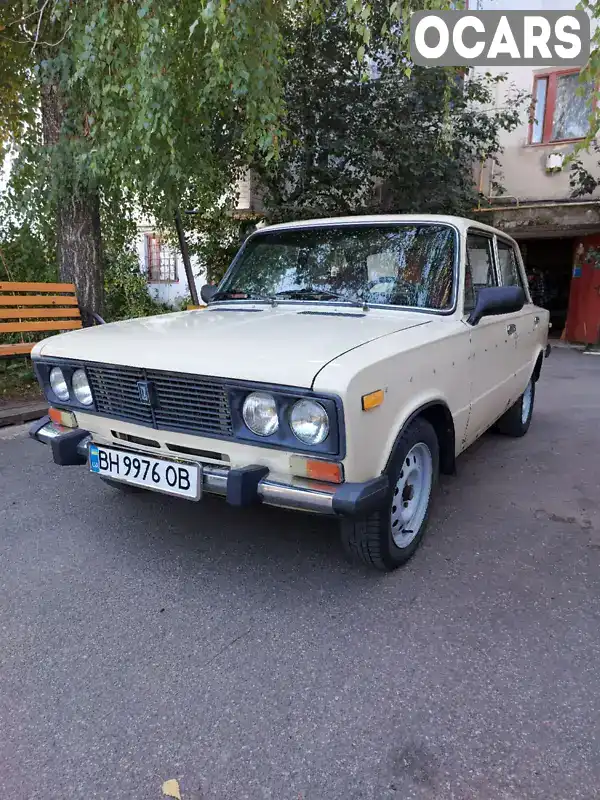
(308,419)
(79,384)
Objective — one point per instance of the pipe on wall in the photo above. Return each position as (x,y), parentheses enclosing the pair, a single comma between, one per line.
(556,204)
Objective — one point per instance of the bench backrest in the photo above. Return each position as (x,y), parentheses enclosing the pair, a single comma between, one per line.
(29,308)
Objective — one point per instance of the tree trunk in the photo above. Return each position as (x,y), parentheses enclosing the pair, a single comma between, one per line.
(78,236)
(80,250)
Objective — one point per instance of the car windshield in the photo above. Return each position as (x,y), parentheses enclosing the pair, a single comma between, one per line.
(401,264)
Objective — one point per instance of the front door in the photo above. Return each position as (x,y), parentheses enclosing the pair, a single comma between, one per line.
(522,323)
(493,341)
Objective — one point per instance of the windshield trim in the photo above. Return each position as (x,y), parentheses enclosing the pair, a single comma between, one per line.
(444,312)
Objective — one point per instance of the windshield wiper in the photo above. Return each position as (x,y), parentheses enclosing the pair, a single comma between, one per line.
(322,294)
(238,294)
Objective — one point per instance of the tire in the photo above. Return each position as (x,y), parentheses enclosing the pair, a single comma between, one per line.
(379,540)
(516,421)
(126,488)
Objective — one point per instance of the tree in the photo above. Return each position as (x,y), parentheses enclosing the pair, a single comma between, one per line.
(388,142)
(590,75)
(583,182)
(46,128)
(152,100)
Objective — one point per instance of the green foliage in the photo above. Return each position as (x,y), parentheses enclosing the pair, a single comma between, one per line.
(25,256)
(194,89)
(583,182)
(27,219)
(126,289)
(18,94)
(168,101)
(215,238)
(28,243)
(388,143)
(590,75)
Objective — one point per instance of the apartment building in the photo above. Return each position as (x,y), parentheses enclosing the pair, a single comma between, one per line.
(559,235)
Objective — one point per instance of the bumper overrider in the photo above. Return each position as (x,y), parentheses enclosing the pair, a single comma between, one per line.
(241,486)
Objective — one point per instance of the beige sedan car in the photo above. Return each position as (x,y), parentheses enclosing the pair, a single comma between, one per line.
(339,366)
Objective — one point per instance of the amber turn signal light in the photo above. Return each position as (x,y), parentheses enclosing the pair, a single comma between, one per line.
(317,470)
(324,471)
(372,400)
(65,418)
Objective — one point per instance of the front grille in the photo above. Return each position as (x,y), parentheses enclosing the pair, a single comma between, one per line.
(191,404)
(180,402)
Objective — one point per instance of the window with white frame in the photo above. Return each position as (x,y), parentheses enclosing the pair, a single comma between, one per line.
(161,260)
(561,108)
(479,272)
(508,264)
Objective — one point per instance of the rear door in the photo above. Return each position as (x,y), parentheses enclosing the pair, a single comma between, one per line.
(521,324)
(493,352)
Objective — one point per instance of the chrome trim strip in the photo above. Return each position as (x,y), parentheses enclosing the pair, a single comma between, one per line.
(298,498)
(274,492)
(49,431)
(82,447)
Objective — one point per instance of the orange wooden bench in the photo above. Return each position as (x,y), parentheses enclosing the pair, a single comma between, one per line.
(29,308)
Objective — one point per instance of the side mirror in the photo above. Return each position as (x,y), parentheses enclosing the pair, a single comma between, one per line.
(494,300)
(207,292)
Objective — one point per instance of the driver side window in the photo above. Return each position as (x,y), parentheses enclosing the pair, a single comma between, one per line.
(479,267)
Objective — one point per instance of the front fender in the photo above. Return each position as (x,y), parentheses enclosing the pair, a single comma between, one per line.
(420,404)
(412,374)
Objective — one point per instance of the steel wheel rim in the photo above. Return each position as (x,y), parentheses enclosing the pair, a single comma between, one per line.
(411,495)
(526,403)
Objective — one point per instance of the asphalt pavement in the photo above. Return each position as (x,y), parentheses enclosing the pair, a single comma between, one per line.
(144,638)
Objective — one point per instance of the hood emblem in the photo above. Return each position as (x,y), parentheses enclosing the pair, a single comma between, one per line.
(145,392)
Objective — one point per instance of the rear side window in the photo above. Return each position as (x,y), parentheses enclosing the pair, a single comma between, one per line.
(508,265)
(479,272)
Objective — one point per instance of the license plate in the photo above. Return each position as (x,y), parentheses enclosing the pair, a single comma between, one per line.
(159,474)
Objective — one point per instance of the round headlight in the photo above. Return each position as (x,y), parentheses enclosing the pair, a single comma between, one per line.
(309,422)
(260,413)
(58,383)
(81,387)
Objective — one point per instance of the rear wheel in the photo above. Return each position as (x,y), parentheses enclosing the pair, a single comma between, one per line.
(516,421)
(388,537)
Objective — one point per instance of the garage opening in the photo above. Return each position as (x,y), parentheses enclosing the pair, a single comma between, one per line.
(549,265)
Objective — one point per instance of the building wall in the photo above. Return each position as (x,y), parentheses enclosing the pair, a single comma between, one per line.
(538,204)
(171,293)
(522,165)
(245,199)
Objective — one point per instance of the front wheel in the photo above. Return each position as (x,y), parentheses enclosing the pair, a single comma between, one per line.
(516,421)
(385,539)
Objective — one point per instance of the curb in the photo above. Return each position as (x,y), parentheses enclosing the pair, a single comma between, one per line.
(20,414)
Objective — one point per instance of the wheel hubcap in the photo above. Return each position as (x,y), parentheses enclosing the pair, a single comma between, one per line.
(411,495)
(526,403)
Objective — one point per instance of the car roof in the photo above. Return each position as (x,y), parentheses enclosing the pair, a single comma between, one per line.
(462,223)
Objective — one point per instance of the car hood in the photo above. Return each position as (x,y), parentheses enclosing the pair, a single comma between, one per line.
(287,344)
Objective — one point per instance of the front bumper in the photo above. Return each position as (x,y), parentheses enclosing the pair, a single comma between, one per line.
(243,486)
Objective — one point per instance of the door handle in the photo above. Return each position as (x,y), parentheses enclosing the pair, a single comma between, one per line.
(511,329)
